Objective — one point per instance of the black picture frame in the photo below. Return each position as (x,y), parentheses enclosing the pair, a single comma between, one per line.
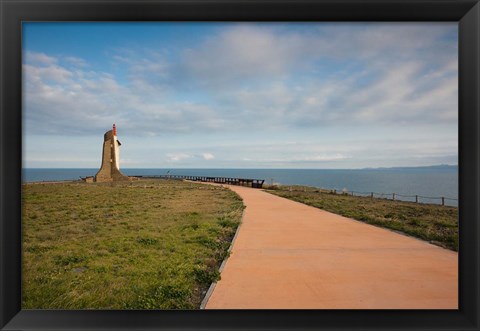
(13,12)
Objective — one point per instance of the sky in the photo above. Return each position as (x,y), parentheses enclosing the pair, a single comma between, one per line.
(241,95)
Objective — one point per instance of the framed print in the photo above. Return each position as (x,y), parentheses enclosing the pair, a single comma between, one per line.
(239,165)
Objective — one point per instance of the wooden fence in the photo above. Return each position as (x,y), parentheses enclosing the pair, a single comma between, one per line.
(255,183)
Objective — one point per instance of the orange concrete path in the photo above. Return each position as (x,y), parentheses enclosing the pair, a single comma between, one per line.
(290,255)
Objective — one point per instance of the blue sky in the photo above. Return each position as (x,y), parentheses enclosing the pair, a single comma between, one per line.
(241,95)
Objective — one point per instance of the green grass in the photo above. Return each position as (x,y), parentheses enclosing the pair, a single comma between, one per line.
(434,223)
(142,245)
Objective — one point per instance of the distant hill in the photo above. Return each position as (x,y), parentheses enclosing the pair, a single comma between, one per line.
(439,167)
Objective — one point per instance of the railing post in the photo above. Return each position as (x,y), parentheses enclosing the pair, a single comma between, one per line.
(371,195)
(393,196)
(416,198)
(443,201)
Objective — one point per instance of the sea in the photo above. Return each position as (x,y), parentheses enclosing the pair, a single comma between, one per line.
(427,184)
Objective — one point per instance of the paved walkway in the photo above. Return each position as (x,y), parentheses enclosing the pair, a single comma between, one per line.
(289,255)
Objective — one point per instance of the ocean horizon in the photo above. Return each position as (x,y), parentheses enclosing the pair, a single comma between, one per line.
(429,183)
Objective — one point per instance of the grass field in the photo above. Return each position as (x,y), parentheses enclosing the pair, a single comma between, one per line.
(434,223)
(142,245)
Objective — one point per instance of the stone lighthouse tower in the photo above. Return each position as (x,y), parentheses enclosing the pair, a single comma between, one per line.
(110,169)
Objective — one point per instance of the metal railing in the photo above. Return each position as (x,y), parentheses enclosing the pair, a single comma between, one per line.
(390,196)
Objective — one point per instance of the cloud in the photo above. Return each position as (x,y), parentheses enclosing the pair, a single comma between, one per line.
(175,157)
(241,53)
(208,156)
(251,51)
(72,101)
(323,158)
(50,74)
(248,77)
(39,58)
(182,156)
(75,61)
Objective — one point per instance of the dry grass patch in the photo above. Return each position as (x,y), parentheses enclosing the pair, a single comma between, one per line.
(153,244)
(434,223)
